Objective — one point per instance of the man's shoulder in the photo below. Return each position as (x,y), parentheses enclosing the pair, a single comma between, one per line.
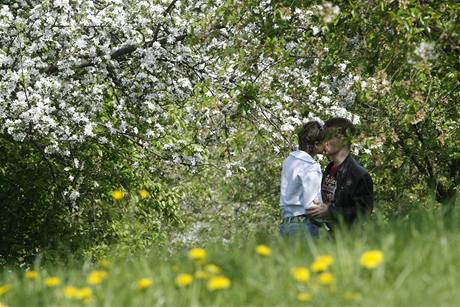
(356,167)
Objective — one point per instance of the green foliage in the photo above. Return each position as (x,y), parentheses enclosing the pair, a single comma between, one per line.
(36,218)
(412,116)
(137,223)
(30,217)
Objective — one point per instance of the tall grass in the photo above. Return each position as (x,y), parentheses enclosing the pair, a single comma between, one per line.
(421,267)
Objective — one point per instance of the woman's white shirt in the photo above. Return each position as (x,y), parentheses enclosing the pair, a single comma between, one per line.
(300,183)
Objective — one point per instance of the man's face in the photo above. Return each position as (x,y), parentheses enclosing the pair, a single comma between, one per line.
(332,146)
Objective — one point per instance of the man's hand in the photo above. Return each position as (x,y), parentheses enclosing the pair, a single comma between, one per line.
(320,210)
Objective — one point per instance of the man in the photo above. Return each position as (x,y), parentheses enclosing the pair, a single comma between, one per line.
(347,188)
(301,183)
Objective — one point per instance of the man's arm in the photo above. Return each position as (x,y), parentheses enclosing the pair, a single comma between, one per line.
(320,210)
(364,195)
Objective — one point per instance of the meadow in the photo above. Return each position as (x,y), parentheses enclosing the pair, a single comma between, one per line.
(410,261)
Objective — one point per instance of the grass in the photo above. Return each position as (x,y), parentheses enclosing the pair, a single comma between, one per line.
(420,268)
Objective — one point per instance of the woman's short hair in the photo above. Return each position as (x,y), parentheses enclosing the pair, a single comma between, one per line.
(311,134)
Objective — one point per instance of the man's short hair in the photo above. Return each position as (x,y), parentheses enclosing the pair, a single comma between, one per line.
(310,135)
(342,127)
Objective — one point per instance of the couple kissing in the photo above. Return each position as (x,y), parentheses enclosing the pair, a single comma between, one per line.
(311,199)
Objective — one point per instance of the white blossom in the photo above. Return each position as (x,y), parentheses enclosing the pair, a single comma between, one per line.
(426,51)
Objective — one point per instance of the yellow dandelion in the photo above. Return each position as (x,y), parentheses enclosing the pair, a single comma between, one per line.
(352,296)
(31,275)
(143,193)
(197,254)
(212,268)
(70,292)
(117,195)
(201,275)
(300,274)
(4,289)
(52,281)
(322,263)
(144,283)
(263,250)
(3,305)
(218,283)
(85,293)
(304,296)
(96,277)
(326,278)
(184,279)
(371,259)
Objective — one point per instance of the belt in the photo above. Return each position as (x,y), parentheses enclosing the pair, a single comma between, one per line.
(300,219)
(295,219)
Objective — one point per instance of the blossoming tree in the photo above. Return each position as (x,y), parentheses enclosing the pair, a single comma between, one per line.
(96,95)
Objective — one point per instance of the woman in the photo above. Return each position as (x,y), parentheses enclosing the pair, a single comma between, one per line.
(301,183)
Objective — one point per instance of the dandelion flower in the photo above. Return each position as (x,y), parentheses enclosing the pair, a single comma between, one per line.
(70,292)
(31,275)
(144,283)
(263,250)
(322,263)
(197,254)
(3,305)
(371,259)
(143,193)
(300,274)
(326,278)
(85,293)
(4,289)
(184,279)
(212,268)
(117,195)
(218,283)
(52,281)
(201,275)
(304,296)
(96,277)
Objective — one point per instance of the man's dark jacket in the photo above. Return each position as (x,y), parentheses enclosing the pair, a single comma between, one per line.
(354,193)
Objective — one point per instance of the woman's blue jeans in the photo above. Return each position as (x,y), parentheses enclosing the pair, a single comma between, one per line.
(301,230)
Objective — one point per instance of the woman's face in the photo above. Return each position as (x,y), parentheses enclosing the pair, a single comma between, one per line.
(319,148)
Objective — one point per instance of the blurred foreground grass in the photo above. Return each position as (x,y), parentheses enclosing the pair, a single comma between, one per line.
(420,267)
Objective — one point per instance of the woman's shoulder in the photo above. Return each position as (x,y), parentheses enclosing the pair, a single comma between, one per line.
(312,167)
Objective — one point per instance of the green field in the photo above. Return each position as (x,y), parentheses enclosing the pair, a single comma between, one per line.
(420,268)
